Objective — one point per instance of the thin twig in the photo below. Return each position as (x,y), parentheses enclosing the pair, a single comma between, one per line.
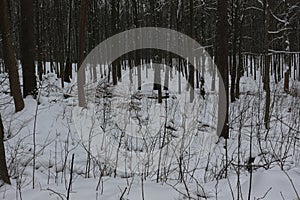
(71,178)
(265,194)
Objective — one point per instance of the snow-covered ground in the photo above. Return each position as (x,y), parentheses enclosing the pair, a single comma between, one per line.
(98,174)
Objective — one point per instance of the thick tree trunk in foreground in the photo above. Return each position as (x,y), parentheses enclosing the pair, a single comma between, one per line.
(3,168)
(27,48)
(9,57)
(222,63)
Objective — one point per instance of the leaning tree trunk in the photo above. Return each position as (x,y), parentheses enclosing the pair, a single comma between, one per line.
(3,168)
(9,57)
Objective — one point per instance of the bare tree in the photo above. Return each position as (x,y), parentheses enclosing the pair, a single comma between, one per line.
(191,67)
(9,57)
(38,34)
(222,62)
(113,31)
(81,77)
(27,48)
(3,168)
(68,65)
(267,63)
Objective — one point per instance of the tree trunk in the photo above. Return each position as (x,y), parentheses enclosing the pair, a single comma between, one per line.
(81,77)
(287,56)
(267,64)
(157,81)
(240,69)
(239,72)
(234,70)
(275,68)
(167,74)
(179,75)
(139,70)
(213,79)
(3,167)
(38,40)
(9,57)
(137,57)
(68,65)
(27,48)
(222,63)
(191,67)
(286,81)
(298,67)
(113,31)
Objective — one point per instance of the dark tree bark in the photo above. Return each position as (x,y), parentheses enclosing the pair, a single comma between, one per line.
(287,56)
(9,57)
(68,65)
(240,68)
(27,48)
(113,31)
(81,79)
(60,39)
(191,67)
(38,39)
(239,71)
(157,82)
(118,24)
(137,56)
(3,167)
(222,63)
(179,75)
(233,70)
(167,74)
(267,63)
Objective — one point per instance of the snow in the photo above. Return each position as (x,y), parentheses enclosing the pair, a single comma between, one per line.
(58,136)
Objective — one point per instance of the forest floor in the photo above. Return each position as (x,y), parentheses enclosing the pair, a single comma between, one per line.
(262,162)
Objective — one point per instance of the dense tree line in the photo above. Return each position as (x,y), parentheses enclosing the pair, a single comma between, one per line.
(261,34)
(56,24)
(241,36)
(258,34)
